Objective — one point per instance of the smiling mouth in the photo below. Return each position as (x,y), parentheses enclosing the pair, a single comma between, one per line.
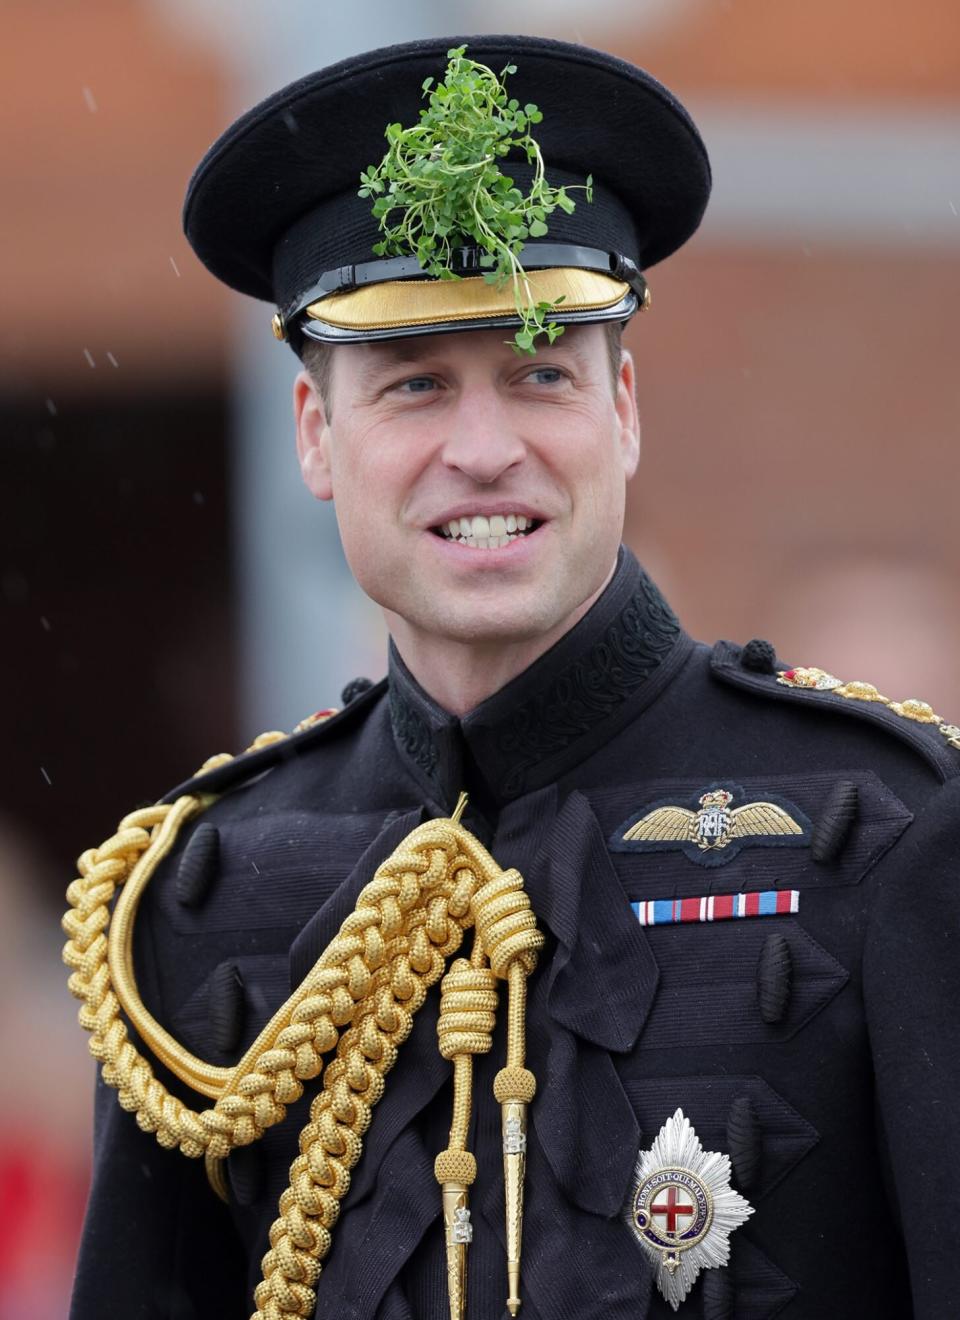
(480,533)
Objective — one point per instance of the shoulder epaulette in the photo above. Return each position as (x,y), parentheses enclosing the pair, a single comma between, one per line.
(222,772)
(755,668)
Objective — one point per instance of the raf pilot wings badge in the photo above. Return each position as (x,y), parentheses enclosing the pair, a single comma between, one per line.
(711,831)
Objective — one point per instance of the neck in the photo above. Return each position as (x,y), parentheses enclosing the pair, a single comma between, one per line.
(459,675)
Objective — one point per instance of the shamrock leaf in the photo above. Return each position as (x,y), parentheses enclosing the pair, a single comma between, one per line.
(439,187)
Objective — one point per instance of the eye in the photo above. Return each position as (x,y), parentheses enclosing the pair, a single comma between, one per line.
(416,385)
(545,376)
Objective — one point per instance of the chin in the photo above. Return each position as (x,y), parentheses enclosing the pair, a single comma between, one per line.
(495,611)
(504,618)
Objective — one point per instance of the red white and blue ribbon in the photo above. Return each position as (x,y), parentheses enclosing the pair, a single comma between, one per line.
(717,907)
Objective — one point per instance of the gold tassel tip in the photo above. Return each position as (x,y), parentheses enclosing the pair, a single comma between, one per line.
(459,1235)
(513,1301)
(459,808)
(514,1123)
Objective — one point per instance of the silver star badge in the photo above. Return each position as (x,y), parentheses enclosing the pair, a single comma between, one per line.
(682,1208)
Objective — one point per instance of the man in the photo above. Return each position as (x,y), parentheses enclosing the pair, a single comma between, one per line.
(730,950)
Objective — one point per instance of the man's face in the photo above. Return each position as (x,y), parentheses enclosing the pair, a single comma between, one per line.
(480,495)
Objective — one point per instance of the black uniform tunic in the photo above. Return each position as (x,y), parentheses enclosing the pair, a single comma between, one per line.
(819,1048)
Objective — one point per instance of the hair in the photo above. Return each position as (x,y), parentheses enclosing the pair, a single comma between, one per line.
(317,357)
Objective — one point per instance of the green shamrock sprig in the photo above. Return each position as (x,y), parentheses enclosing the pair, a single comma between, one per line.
(440,187)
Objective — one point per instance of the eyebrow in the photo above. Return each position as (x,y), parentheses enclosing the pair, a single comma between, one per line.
(401,350)
(416,348)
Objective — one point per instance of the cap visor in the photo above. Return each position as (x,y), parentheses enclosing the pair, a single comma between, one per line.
(417,306)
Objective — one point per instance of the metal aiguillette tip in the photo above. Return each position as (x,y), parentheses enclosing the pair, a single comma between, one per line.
(513,1117)
(459,1235)
(513,1301)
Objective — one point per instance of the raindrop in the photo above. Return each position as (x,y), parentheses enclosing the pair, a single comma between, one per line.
(46,777)
(176,270)
(953,208)
(256,868)
(90,99)
(198,497)
(51,408)
(44,623)
(112,360)
(89,356)
(291,122)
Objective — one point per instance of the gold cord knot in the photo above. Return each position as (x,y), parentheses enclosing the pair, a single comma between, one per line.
(468,1004)
(506,924)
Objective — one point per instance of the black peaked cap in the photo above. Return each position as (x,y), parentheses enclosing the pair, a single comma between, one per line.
(273,203)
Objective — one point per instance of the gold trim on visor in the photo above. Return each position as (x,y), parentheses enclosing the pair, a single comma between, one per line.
(398,303)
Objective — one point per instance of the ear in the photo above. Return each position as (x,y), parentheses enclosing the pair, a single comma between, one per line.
(313,436)
(627,416)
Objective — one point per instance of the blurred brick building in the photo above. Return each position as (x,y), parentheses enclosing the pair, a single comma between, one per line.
(798,386)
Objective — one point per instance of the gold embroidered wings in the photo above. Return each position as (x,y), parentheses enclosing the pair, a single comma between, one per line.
(711,828)
(666,824)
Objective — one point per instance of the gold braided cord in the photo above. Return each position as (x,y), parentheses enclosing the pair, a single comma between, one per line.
(203,1077)
(412,916)
(507,935)
(102,872)
(104,983)
(516,1018)
(358,999)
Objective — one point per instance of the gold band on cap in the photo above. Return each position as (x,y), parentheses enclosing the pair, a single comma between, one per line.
(398,303)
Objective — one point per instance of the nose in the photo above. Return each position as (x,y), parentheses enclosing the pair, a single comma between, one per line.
(483,442)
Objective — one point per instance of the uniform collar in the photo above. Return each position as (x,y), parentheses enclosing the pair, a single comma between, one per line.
(571,701)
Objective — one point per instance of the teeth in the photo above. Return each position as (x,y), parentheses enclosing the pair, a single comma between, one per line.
(482,533)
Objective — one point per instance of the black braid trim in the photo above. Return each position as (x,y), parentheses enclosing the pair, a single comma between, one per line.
(413,733)
(593,687)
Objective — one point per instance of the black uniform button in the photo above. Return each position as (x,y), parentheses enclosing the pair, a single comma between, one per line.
(355,688)
(198,865)
(226,1007)
(760,656)
(774,978)
(833,828)
(717,1295)
(744,1142)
